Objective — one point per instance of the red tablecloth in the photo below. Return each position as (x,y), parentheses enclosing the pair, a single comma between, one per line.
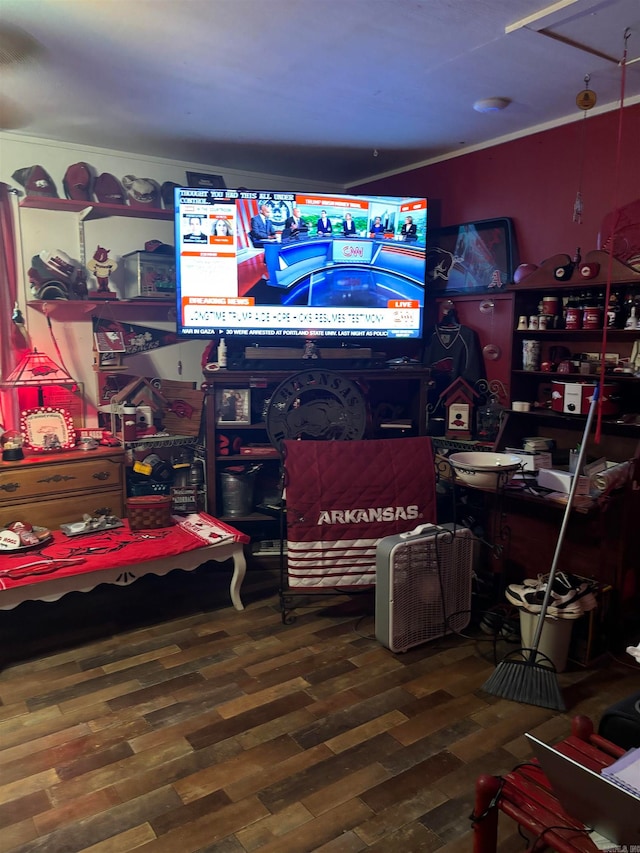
(63,555)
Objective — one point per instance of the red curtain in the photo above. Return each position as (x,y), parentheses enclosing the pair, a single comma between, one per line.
(11,341)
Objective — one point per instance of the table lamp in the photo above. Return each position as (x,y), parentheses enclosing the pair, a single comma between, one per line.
(35,370)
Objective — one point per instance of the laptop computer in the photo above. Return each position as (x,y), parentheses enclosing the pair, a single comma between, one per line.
(589,797)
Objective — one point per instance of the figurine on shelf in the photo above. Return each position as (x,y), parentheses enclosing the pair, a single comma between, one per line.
(101,266)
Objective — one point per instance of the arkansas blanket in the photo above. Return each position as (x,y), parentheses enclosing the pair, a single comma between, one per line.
(343,497)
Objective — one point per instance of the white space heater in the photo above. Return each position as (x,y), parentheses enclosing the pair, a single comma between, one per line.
(423,584)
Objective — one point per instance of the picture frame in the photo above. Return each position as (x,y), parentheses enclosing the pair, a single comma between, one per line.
(472,257)
(47,428)
(202,181)
(109,340)
(184,499)
(233,406)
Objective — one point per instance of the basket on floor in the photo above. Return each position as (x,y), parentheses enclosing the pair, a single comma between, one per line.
(149,511)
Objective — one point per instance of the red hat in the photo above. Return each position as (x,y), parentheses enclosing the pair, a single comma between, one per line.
(36,181)
(159,247)
(107,189)
(77,182)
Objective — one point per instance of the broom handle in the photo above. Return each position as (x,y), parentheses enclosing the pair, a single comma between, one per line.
(565,523)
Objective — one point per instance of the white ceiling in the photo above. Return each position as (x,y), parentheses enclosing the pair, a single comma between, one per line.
(310,88)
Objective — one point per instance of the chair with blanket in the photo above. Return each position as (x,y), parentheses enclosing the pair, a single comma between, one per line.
(342,498)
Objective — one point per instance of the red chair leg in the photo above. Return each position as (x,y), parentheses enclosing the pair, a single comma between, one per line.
(485,827)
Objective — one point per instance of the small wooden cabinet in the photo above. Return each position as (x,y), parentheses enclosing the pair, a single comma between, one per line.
(53,489)
(395,406)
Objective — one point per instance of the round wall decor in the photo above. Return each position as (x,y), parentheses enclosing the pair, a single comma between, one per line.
(316,404)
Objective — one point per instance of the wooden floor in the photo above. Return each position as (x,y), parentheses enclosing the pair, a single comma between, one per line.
(157,718)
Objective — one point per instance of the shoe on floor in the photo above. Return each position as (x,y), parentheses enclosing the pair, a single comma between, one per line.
(501,623)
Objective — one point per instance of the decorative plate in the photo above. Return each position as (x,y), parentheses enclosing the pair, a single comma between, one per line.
(8,540)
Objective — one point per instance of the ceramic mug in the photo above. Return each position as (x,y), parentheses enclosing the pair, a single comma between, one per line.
(530,355)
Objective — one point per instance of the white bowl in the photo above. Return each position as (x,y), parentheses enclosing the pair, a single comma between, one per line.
(485,470)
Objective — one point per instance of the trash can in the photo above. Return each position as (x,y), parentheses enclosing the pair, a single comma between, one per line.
(555,638)
(237,485)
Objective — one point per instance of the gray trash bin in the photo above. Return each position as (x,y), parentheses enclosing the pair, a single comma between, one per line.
(237,487)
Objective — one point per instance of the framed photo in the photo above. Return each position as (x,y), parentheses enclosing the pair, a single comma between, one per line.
(198,180)
(47,428)
(109,340)
(233,406)
(471,257)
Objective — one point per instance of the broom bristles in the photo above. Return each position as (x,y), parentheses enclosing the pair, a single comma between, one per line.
(527,681)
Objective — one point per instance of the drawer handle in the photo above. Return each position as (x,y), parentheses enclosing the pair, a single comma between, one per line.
(101,475)
(56,478)
(10,487)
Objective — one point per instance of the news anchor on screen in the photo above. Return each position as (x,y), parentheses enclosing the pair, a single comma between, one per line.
(349,226)
(377,229)
(409,230)
(262,227)
(294,226)
(324,226)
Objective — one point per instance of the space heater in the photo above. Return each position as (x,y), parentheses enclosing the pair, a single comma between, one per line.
(423,584)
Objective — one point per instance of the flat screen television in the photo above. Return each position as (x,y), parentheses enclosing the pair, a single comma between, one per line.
(238,277)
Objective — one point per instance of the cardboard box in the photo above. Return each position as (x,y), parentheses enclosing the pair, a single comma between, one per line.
(148,275)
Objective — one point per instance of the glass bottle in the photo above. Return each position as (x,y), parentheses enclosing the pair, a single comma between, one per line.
(614,310)
(629,302)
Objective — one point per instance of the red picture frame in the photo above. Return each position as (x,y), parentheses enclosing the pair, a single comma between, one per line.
(47,429)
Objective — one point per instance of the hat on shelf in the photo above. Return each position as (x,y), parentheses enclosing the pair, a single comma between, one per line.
(77,182)
(159,247)
(107,189)
(36,182)
(166,193)
(142,192)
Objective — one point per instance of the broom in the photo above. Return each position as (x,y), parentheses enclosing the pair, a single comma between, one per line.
(527,675)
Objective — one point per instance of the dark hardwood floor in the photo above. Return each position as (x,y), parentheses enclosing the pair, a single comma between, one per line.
(158,719)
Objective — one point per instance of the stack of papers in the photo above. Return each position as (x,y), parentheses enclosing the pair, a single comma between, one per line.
(625,772)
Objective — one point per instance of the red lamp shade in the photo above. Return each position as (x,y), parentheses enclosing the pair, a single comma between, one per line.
(36,368)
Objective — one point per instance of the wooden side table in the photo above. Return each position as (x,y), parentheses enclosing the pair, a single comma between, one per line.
(526,796)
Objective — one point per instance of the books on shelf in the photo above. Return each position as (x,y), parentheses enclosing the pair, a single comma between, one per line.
(625,772)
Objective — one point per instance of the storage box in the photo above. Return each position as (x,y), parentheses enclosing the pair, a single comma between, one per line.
(560,481)
(148,275)
(149,512)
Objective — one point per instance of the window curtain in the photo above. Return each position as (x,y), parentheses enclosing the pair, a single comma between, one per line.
(12,342)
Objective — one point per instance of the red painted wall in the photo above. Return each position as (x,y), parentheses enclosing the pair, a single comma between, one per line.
(534,180)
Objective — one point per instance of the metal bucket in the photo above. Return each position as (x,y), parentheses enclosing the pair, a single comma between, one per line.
(237,492)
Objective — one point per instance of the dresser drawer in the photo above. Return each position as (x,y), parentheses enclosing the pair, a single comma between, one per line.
(52,513)
(55,480)
(55,488)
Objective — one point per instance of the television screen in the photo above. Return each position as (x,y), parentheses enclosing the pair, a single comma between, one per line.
(261,264)
(472,256)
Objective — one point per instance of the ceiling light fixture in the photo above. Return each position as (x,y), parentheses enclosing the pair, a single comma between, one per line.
(491,105)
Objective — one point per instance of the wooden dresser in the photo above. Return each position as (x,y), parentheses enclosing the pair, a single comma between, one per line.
(50,489)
